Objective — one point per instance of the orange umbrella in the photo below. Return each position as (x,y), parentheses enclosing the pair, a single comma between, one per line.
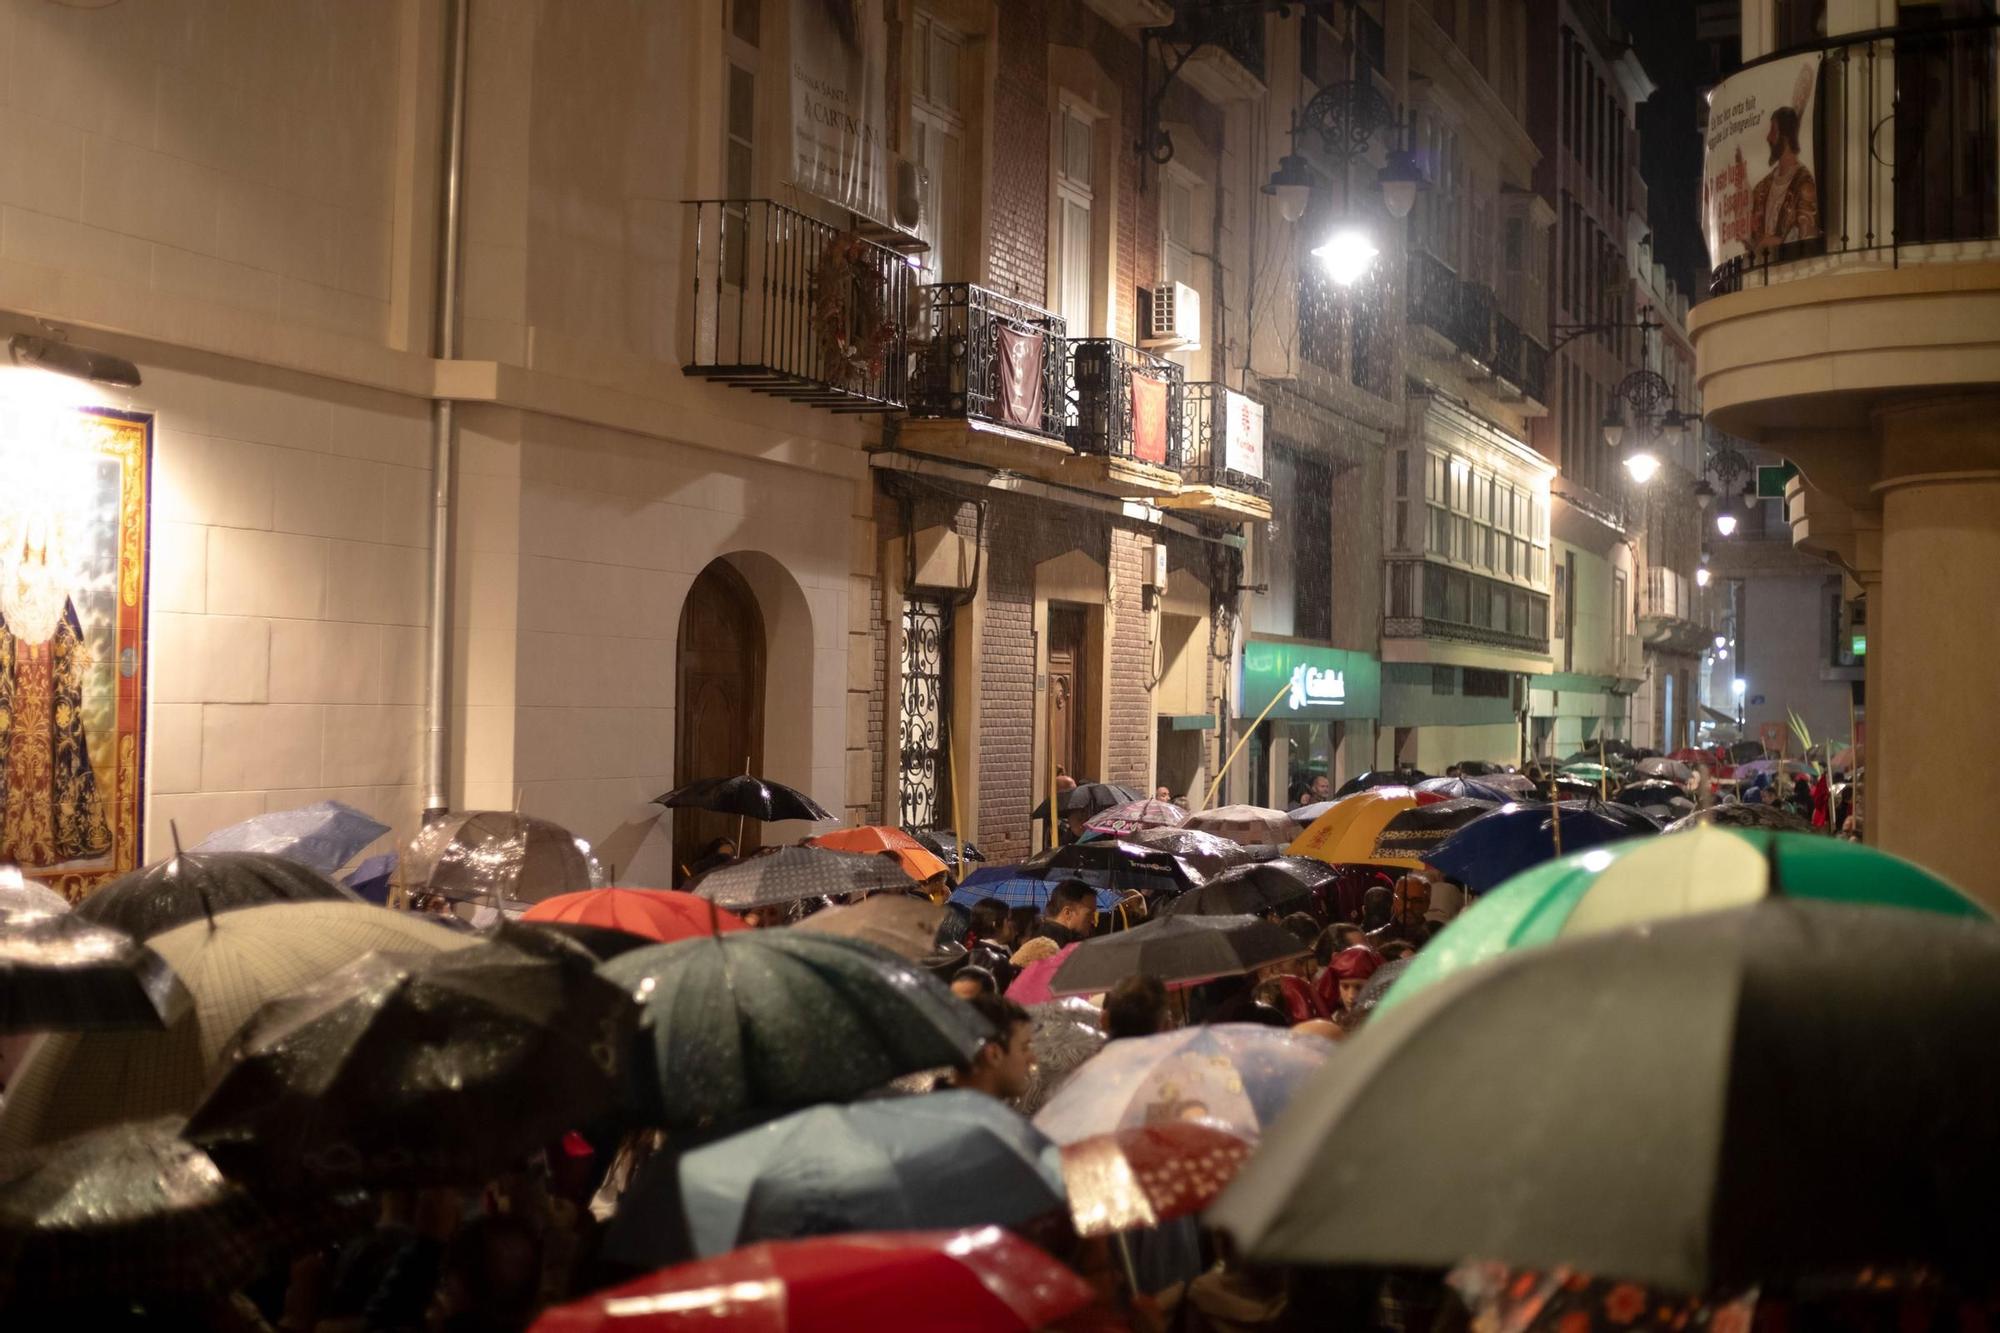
(918,863)
(657,914)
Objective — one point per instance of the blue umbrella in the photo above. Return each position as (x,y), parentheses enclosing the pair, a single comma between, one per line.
(1495,847)
(323,836)
(372,877)
(1016,890)
(944,1161)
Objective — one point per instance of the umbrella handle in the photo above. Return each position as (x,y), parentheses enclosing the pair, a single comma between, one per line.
(1131,1269)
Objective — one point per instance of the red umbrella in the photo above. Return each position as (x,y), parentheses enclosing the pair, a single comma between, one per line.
(980,1281)
(1031,984)
(1149,1174)
(657,914)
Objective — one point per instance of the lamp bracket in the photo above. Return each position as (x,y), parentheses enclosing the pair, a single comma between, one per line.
(1201,25)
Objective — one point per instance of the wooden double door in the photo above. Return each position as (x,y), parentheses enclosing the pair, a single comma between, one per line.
(719,722)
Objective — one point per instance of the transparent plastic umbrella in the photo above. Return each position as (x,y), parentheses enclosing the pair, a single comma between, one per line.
(1237,1075)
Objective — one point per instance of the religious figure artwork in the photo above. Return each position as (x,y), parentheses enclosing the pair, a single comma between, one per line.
(73,502)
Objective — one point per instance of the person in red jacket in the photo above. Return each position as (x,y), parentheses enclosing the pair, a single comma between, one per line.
(1340,985)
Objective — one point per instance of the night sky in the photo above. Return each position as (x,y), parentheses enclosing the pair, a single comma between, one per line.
(1663,33)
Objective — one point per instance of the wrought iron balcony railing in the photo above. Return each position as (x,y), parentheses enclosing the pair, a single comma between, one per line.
(1906,132)
(1473,329)
(1237,29)
(1427,600)
(1205,451)
(1433,293)
(788,305)
(1519,359)
(1124,402)
(979,356)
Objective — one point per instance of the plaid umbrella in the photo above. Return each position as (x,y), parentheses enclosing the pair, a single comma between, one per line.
(78,1081)
(1251,825)
(770,1019)
(497,859)
(63,974)
(905,926)
(752,798)
(323,836)
(400,1070)
(129,1211)
(782,875)
(193,885)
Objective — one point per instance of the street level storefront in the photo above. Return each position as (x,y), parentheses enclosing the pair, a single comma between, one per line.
(1435,715)
(1568,712)
(1324,703)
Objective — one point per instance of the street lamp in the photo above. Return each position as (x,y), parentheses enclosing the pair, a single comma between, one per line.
(1739,686)
(1347,255)
(1642,465)
(1400,181)
(1722,640)
(1291,185)
(1725,523)
(1702,576)
(1613,426)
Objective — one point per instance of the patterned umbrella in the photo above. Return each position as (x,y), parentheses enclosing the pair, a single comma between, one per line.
(77,1081)
(131,1210)
(1148,1174)
(1349,830)
(989,1279)
(917,861)
(781,875)
(660,915)
(1136,815)
(770,1019)
(751,798)
(905,926)
(192,885)
(63,974)
(1251,825)
(323,836)
(495,859)
(1235,1075)
(443,1068)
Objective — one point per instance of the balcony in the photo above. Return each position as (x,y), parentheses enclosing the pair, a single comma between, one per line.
(785,304)
(988,379)
(1433,293)
(1433,601)
(1229,66)
(1519,362)
(1907,153)
(1125,419)
(1472,328)
(1670,615)
(1222,455)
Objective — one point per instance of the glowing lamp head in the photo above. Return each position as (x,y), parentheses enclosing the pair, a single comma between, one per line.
(1701,577)
(1725,523)
(1739,687)
(1642,466)
(1347,255)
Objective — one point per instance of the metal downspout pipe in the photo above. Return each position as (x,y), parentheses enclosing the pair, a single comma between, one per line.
(437,678)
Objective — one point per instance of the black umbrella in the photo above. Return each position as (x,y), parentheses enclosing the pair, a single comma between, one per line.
(781,875)
(768,1020)
(1265,886)
(1379,982)
(1736,814)
(191,885)
(131,1211)
(1176,948)
(1380,777)
(600,942)
(1207,854)
(65,974)
(747,797)
(945,845)
(1687,1103)
(1112,863)
(1090,798)
(400,1070)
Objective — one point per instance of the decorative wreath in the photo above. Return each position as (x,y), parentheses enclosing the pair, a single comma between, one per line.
(851,308)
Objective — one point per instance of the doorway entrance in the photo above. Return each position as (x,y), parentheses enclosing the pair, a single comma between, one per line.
(1069,689)
(719,723)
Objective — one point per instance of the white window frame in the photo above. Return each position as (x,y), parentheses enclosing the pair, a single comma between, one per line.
(944,201)
(1066,190)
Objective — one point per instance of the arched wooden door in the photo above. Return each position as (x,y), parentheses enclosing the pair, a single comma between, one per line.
(719,722)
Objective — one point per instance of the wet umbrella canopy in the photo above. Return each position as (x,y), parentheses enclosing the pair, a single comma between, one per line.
(1176,948)
(944,845)
(766,1020)
(444,1069)
(783,875)
(1066,1034)
(1255,889)
(131,1211)
(1736,815)
(193,885)
(905,926)
(495,859)
(323,836)
(1236,1075)
(752,798)
(1692,1121)
(1143,1176)
(1501,844)
(1251,825)
(64,974)
(1381,777)
(1135,816)
(1090,798)
(990,1280)
(1205,853)
(661,915)
(946,1159)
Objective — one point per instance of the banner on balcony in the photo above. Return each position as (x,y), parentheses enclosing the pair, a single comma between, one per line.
(1021,392)
(839,113)
(1149,419)
(1243,434)
(1758,188)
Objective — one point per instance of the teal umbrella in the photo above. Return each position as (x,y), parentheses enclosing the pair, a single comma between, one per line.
(1650,879)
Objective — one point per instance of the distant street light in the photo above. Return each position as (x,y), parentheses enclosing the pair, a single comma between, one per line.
(1722,640)
(1347,255)
(1725,523)
(1739,686)
(1701,577)
(1642,465)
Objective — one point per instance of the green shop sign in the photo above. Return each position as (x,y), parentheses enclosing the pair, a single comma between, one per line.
(1312,682)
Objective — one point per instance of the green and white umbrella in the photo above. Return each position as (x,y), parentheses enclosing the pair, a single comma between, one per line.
(1704,869)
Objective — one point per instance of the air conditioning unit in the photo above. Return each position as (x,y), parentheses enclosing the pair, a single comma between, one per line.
(1176,321)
